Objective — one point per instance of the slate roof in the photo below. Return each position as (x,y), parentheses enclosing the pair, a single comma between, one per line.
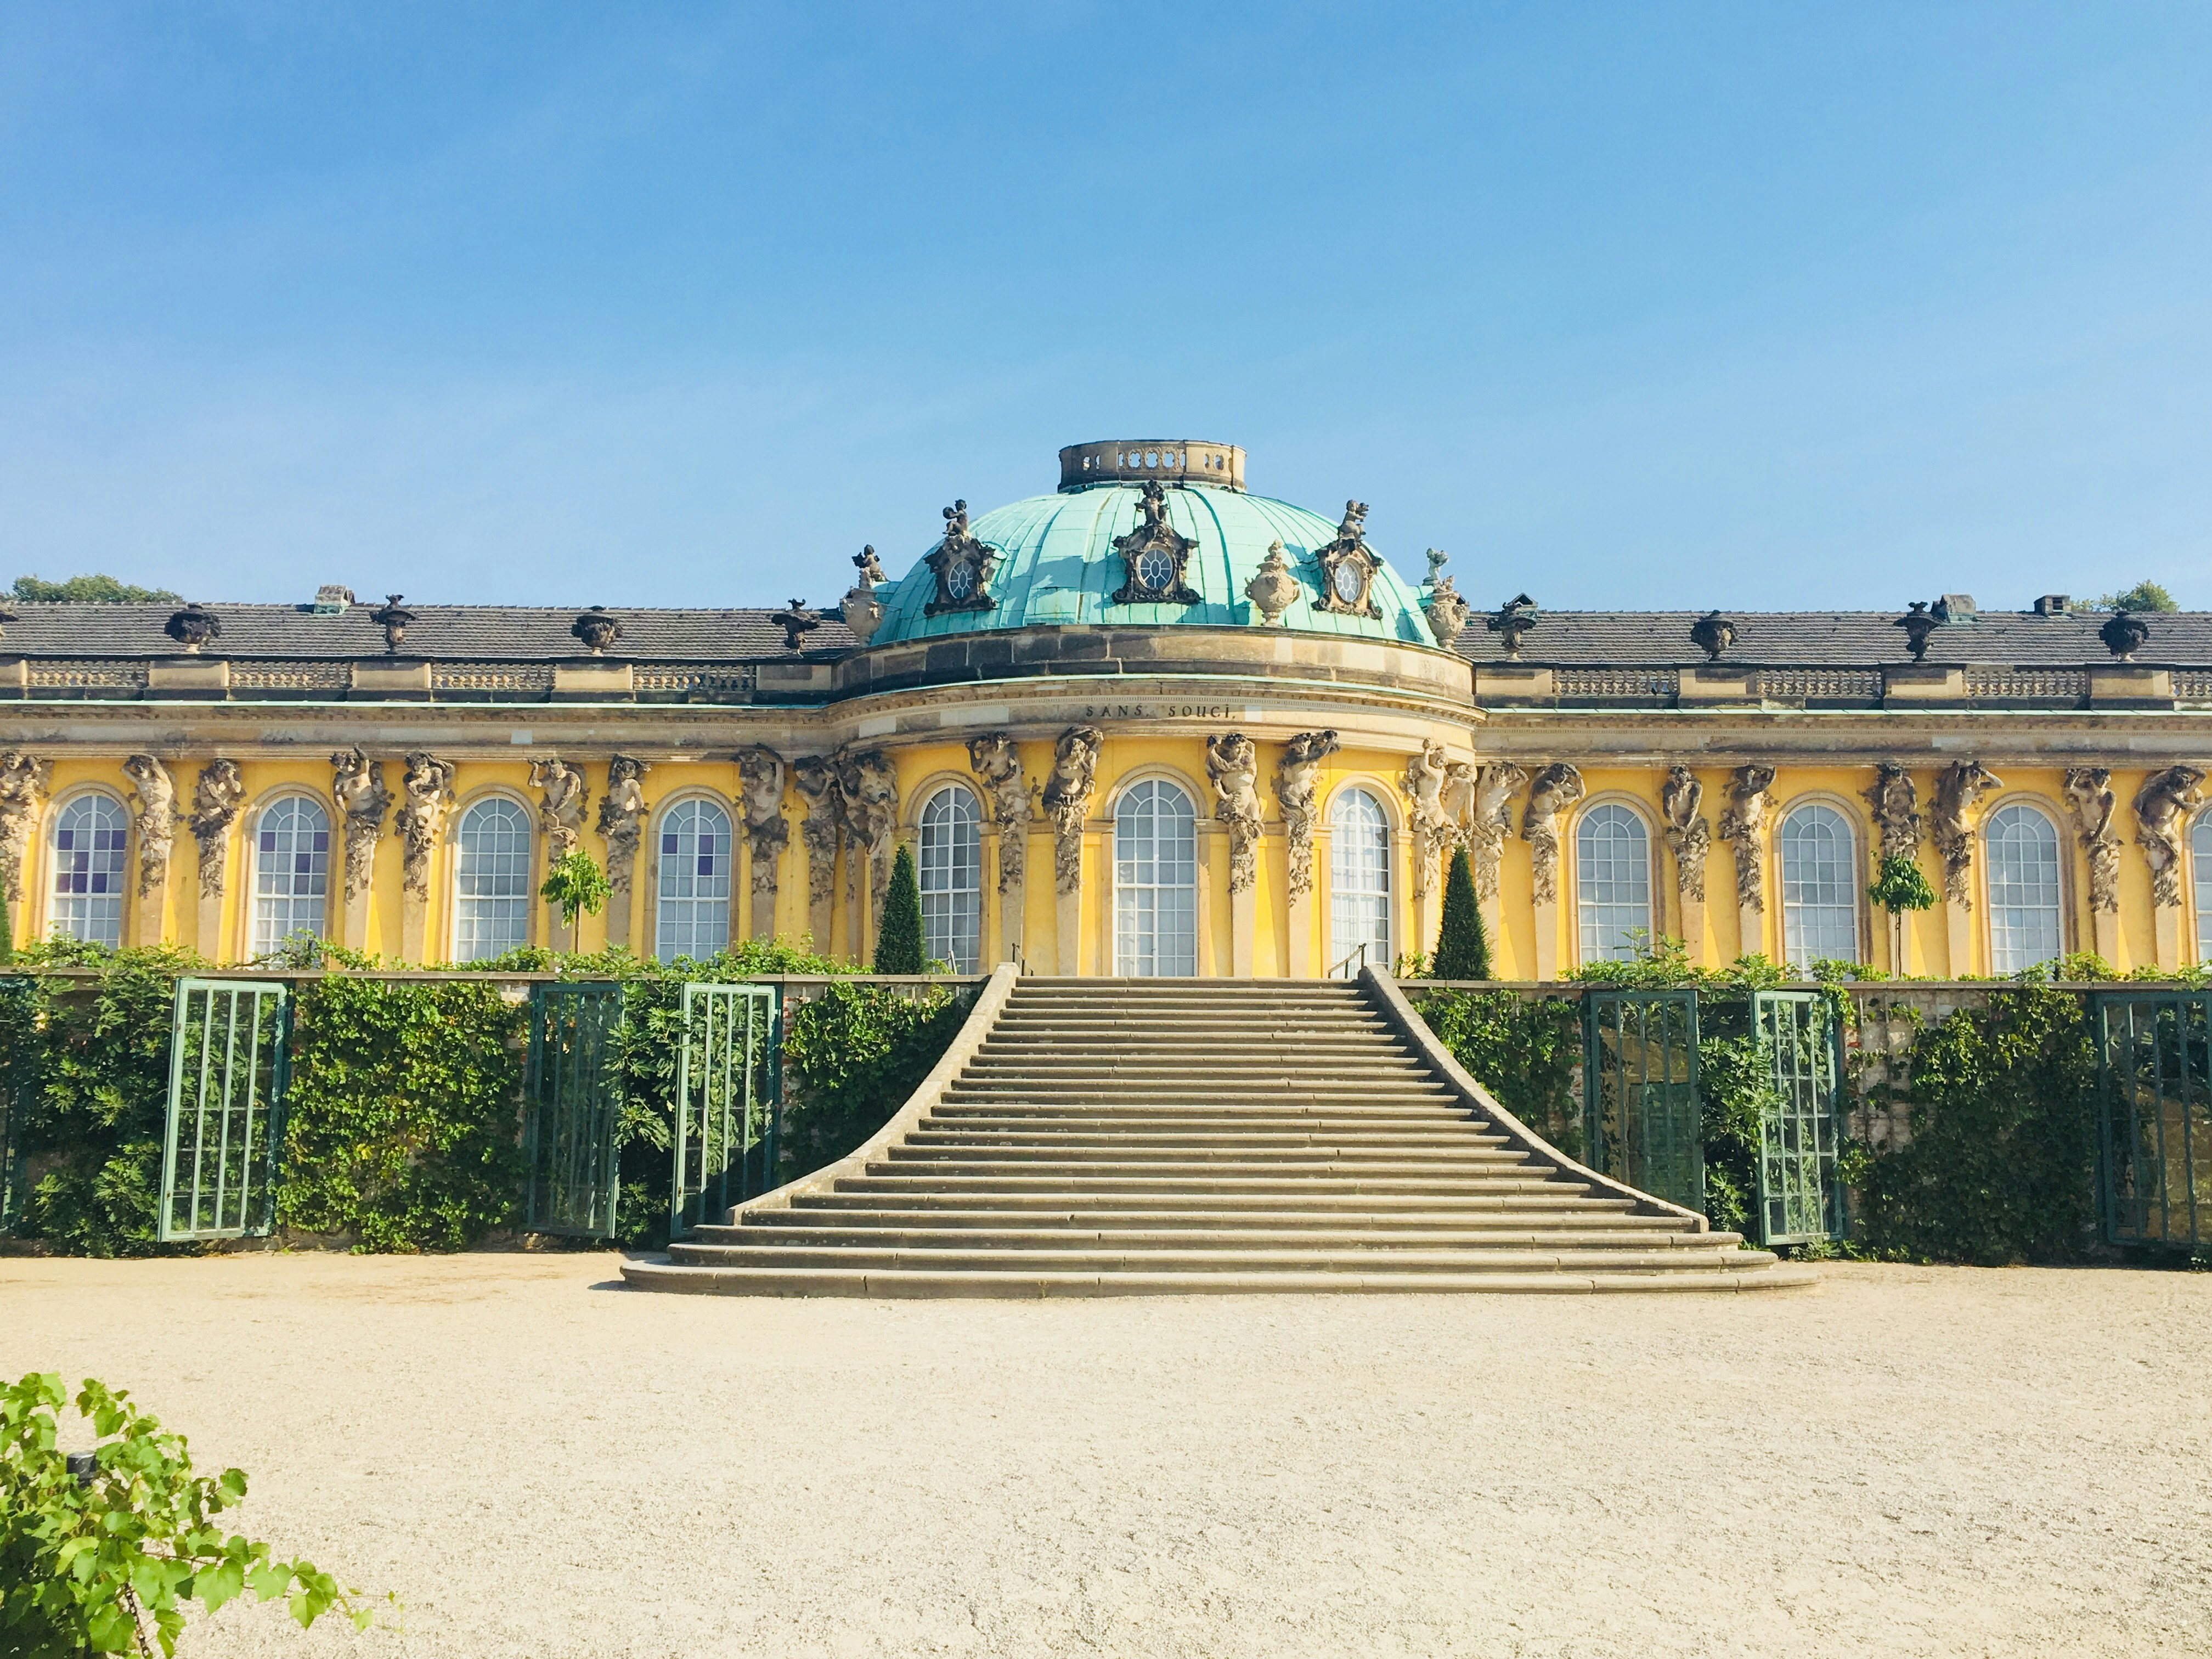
(497,632)
(1834,639)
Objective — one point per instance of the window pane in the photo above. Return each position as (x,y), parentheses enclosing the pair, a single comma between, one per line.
(291,872)
(692,902)
(89,838)
(1359,883)
(2200,869)
(1155,881)
(2022,846)
(491,880)
(951,873)
(1613,876)
(1819,888)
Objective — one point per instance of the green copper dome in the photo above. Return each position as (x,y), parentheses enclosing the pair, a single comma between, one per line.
(1054,560)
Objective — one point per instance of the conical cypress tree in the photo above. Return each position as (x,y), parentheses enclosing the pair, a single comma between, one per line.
(1462,944)
(898,941)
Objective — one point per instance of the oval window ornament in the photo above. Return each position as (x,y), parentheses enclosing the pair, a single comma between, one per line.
(1155,571)
(1349,582)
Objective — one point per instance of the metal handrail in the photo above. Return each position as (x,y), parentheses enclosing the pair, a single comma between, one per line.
(1361,954)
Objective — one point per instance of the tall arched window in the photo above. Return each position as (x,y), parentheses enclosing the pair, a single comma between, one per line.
(1613,882)
(1155,881)
(2200,871)
(952,878)
(1819,887)
(90,837)
(691,916)
(1358,881)
(291,870)
(491,880)
(2022,846)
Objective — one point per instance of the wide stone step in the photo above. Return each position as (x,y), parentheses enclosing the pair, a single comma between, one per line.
(901,1232)
(1304,1200)
(876,1282)
(1410,1140)
(1504,1222)
(1226,1258)
(1105,1090)
(1114,1149)
(1338,1181)
(1226,1117)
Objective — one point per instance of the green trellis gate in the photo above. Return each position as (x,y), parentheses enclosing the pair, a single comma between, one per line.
(728,1102)
(1801,1196)
(1643,1120)
(2155,1110)
(225,1113)
(19,1079)
(572,1103)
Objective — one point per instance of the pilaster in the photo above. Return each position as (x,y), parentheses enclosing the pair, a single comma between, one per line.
(1243,929)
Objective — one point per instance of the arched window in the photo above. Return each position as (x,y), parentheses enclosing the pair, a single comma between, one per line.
(90,837)
(291,870)
(2200,869)
(952,878)
(1358,881)
(691,917)
(491,880)
(1613,882)
(2024,901)
(1819,888)
(1155,881)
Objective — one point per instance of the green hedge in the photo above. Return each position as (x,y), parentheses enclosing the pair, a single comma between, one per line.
(404,1122)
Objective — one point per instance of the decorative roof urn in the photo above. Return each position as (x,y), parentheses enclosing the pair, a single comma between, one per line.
(1446,611)
(1918,622)
(862,610)
(596,628)
(1712,634)
(1274,589)
(1511,620)
(2124,635)
(796,621)
(394,618)
(194,627)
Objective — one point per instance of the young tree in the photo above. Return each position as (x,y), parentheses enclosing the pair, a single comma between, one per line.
(576,886)
(2144,596)
(1463,942)
(90,589)
(898,941)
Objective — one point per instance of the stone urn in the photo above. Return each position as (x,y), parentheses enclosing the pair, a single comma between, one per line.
(1274,589)
(1446,611)
(863,612)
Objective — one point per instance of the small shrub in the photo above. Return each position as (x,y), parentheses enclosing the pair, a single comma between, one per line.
(898,941)
(1463,942)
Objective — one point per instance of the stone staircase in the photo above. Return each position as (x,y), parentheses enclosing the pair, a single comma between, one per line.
(1098,1137)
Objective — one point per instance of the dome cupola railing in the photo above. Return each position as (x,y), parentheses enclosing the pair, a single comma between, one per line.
(1163,460)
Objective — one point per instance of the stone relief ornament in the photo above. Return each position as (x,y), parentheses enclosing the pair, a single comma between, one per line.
(561,807)
(598,629)
(2089,798)
(621,819)
(217,797)
(1958,787)
(869,785)
(961,565)
(1067,797)
(426,794)
(1297,776)
(1232,766)
(768,832)
(357,788)
(1492,821)
(862,610)
(155,819)
(1744,827)
(1274,589)
(815,778)
(395,619)
(1893,801)
(1682,801)
(1348,566)
(996,759)
(1558,786)
(2166,799)
(1424,788)
(1153,556)
(23,780)
(1511,620)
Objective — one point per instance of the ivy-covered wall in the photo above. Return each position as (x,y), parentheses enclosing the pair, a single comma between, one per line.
(403,1124)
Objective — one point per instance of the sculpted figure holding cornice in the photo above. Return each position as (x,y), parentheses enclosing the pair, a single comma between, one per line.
(1958,787)
(357,788)
(1067,797)
(560,806)
(2165,799)
(1423,785)
(217,797)
(1492,821)
(426,794)
(2089,799)
(869,784)
(621,819)
(768,832)
(155,820)
(1556,787)
(1689,836)
(1893,799)
(1296,786)
(23,780)
(996,759)
(815,778)
(1232,766)
(1743,826)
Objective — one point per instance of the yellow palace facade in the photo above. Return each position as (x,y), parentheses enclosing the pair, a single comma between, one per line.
(1148,723)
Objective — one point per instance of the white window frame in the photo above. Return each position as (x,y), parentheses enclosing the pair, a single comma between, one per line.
(1360,891)
(1827,915)
(497,917)
(1633,868)
(2010,954)
(948,862)
(275,916)
(1170,905)
(691,911)
(93,915)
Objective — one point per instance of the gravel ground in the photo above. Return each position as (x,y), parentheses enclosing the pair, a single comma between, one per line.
(1904,1461)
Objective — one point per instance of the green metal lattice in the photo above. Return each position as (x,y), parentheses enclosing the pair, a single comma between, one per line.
(727,1102)
(2154,1093)
(226,1115)
(1800,1196)
(1644,1121)
(19,1081)
(572,1103)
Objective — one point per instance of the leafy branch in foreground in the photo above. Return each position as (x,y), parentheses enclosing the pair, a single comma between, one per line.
(100,1549)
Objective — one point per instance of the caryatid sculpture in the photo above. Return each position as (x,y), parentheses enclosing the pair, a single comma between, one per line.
(869,786)
(357,789)
(1296,784)
(2089,798)
(1958,787)
(1554,789)
(1682,802)
(2167,797)
(560,806)
(1068,799)
(996,760)
(426,795)
(217,797)
(760,784)
(1894,804)
(622,824)
(815,778)
(156,793)
(1744,827)
(1232,766)
(1423,785)
(1492,821)
(23,780)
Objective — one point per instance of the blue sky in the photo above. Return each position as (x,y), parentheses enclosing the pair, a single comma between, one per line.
(1753,305)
